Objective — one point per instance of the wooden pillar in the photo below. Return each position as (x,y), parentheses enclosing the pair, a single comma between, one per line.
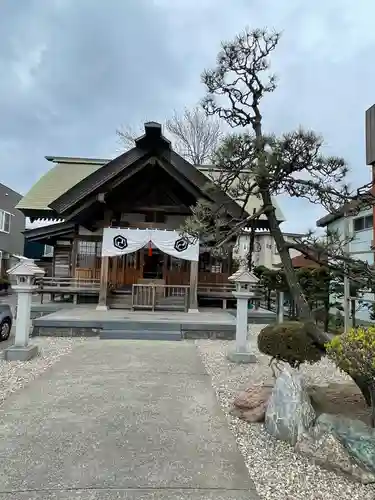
(193,302)
(102,303)
(74,254)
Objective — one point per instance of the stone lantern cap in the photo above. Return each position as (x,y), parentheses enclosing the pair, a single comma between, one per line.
(26,267)
(244,276)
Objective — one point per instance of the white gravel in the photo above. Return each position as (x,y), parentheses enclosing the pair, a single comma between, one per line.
(278,472)
(16,374)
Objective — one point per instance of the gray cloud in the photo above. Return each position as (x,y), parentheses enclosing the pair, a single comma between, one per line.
(72,72)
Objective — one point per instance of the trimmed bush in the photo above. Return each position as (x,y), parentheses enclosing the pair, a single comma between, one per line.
(289,342)
(354,353)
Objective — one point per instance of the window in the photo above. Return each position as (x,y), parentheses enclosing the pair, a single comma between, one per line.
(88,252)
(361,223)
(5,221)
(48,251)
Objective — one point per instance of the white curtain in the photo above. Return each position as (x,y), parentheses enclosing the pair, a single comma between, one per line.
(172,243)
(125,241)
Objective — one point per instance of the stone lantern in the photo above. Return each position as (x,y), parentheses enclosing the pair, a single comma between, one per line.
(24,274)
(245,282)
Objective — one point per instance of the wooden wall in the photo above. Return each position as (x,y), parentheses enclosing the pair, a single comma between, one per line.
(62,260)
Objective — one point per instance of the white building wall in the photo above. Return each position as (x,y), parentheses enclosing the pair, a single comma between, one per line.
(359,248)
(265,251)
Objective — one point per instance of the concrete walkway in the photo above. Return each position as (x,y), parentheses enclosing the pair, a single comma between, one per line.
(125,420)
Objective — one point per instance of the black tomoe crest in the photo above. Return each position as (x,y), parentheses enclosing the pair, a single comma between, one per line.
(120,242)
(181,244)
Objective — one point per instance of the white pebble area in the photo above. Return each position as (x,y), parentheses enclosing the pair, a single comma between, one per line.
(16,374)
(277,471)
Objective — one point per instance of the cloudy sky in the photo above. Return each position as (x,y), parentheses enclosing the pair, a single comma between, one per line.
(75,70)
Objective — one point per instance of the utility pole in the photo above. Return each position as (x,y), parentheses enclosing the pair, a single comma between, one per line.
(346,277)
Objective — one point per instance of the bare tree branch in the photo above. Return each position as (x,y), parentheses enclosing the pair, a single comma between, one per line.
(193,134)
(196,136)
(127,136)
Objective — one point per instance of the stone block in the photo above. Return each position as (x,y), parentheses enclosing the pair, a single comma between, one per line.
(241,357)
(19,353)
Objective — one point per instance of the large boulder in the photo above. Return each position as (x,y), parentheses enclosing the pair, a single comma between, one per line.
(325,449)
(357,438)
(251,404)
(289,412)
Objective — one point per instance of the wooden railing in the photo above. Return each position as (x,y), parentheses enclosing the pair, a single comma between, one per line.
(215,288)
(153,296)
(61,284)
(83,273)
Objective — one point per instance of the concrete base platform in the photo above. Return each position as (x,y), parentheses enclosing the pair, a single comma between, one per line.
(140,335)
(241,357)
(258,316)
(88,322)
(19,353)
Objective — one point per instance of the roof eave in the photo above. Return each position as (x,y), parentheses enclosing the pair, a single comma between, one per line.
(39,213)
(327,219)
(91,184)
(77,159)
(48,232)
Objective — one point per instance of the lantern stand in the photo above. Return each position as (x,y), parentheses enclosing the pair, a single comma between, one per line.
(245,282)
(25,273)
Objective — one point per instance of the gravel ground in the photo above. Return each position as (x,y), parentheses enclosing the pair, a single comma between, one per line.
(278,473)
(16,374)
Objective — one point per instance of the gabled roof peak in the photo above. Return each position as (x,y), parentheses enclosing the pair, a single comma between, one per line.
(153,137)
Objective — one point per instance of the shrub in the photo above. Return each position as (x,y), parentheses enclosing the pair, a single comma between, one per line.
(354,353)
(289,342)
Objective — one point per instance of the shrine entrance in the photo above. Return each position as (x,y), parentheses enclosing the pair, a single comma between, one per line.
(153,265)
(138,262)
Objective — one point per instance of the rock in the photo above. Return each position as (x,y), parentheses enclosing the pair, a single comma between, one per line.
(355,435)
(252,415)
(250,405)
(253,396)
(289,412)
(325,449)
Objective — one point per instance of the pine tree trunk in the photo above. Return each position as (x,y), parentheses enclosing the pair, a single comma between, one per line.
(372,398)
(304,311)
(353,306)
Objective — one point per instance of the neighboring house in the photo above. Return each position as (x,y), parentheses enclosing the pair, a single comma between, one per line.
(37,251)
(303,262)
(41,254)
(265,251)
(370,157)
(12,226)
(360,226)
